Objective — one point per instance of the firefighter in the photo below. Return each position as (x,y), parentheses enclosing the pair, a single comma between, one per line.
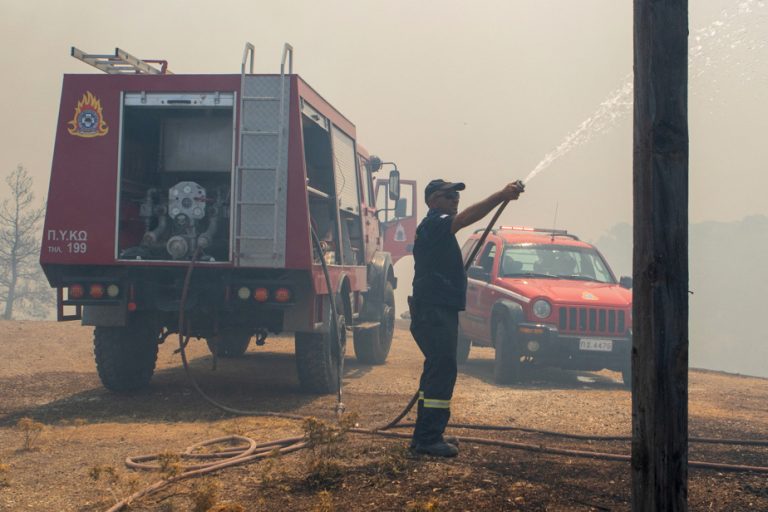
(439,293)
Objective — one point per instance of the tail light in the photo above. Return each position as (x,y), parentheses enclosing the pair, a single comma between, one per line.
(76,291)
(282,295)
(96,290)
(113,291)
(261,294)
(243,293)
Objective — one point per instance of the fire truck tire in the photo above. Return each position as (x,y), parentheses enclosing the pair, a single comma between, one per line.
(126,355)
(372,345)
(463,347)
(318,361)
(232,343)
(506,365)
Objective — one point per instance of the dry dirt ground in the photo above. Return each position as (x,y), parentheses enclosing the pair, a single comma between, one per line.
(79,435)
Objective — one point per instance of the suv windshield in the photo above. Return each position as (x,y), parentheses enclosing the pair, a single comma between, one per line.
(556,261)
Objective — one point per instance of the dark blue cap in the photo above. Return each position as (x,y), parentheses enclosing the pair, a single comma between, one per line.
(440,185)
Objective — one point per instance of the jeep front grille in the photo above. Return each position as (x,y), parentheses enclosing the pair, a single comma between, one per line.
(592,320)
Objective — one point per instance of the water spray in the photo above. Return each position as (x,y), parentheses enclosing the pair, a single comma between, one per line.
(721,34)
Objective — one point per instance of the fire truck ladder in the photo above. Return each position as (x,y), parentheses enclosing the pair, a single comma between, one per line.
(121,63)
(262,170)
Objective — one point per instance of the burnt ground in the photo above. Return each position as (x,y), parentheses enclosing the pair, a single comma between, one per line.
(78,435)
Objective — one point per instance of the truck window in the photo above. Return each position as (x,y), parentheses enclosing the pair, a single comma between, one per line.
(368,177)
(347,185)
(386,207)
(333,190)
(486,257)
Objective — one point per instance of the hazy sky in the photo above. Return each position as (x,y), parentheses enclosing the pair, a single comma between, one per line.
(480,91)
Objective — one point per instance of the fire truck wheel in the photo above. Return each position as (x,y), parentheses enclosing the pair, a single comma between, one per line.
(126,356)
(372,345)
(319,358)
(231,343)
(462,348)
(507,365)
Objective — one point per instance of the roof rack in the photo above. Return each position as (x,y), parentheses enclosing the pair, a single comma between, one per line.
(121,63)
(526,229)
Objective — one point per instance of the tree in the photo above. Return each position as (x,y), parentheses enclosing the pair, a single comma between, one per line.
(22,284)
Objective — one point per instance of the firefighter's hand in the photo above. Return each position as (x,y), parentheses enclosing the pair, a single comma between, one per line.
(512,190)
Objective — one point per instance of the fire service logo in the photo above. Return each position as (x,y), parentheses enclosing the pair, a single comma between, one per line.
(88,120)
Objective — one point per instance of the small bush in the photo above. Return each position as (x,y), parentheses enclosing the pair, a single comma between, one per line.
(107,475)
(31,431)
(268,473)
(325,439)
(5,470)
(394,461)
(423,506)
(170,464)
(205,494)
(324,502)
(227,507)
(324,473)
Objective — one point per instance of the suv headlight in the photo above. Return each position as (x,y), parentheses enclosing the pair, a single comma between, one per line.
(542,308)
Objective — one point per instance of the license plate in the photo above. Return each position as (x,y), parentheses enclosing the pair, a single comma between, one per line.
(595,344)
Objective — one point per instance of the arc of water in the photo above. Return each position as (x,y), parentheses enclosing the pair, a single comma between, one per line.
(721,33)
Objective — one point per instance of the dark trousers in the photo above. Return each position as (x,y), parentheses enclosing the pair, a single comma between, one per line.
(435,329)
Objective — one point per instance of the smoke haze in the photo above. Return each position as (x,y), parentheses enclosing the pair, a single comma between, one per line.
(484,92)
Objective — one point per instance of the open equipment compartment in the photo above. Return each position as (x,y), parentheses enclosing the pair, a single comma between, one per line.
(176,173)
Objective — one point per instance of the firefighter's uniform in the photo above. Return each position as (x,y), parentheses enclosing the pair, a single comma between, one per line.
(439,293)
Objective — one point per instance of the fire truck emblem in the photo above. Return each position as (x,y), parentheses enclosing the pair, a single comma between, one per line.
(88,120)
(588,296)
(400,233)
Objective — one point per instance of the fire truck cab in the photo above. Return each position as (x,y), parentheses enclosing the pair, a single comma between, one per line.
(203,193)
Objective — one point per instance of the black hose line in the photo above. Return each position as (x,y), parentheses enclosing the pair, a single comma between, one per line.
(334,321)
(334,326)
(183,341)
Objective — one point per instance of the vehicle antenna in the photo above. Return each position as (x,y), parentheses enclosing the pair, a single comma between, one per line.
(554,223)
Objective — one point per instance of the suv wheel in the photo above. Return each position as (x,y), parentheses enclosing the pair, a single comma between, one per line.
(462,348)
(507,365)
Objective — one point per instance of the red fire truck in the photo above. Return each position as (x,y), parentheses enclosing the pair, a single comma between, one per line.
(155,172)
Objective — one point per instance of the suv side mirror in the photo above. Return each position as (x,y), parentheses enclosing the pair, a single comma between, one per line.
(394,185)
(625,282)
(401,208)
(476,272)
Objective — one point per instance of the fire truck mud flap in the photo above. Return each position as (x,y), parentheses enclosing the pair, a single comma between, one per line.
(373,340)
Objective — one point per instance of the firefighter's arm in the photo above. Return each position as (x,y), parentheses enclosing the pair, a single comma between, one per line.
(477,211)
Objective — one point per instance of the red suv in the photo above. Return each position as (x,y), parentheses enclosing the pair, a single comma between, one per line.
(544,296)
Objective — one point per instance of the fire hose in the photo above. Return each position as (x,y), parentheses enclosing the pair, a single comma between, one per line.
(249,451)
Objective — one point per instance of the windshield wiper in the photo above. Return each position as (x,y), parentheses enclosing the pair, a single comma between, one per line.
(530,274)
(579,277)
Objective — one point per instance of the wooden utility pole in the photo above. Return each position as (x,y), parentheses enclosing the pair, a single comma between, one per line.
(660,297)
